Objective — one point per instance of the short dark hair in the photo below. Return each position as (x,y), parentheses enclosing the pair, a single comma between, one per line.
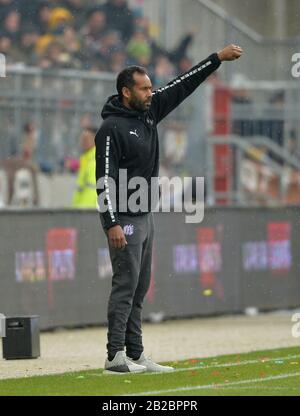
(125,77)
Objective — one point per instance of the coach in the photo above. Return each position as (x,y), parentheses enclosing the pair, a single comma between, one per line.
(128,140)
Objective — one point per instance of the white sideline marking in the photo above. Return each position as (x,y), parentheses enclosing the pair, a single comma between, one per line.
(216,386)
(264,387)
(205,367)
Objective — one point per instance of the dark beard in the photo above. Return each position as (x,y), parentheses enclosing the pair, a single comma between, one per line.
(137,105)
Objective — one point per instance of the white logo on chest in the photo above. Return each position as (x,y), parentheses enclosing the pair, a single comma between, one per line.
(149,121)
(134,133)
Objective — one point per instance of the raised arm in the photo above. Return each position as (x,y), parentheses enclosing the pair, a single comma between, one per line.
(169,97)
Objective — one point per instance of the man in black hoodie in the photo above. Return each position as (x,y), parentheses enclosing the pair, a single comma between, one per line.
(127,141)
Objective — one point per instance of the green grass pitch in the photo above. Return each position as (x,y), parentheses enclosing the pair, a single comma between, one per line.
(271,372)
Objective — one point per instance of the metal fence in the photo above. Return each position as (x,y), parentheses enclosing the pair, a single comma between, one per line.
(59,101)
(56,101)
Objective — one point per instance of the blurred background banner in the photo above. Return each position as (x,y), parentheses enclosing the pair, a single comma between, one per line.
(240,131)
(236,259)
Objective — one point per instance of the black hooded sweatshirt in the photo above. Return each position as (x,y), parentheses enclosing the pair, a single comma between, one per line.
(128,139)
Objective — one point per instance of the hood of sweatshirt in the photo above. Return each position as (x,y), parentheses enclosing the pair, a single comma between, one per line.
(114,107)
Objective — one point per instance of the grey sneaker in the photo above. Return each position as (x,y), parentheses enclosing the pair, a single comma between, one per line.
(151,366)
(122,365)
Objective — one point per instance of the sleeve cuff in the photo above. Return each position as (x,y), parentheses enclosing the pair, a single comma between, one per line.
(107,227)
(215,57)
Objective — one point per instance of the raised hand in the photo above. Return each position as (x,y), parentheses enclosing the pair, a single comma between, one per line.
(230,53)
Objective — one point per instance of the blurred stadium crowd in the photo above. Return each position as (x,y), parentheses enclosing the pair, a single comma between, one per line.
(94,35)
(104,36)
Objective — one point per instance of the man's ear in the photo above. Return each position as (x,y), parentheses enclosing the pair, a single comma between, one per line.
(126,92)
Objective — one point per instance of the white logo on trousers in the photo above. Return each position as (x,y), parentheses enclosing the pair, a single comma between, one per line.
(128,229)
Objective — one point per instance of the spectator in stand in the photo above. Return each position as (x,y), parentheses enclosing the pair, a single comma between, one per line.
(96,25)
(91,33)
(8,6)
(98,35)
(72,44)
(100,60)
(56,56)
(29,143)
(107,44)
(59,16)
(176,55)
(5,6)
(12,25)
(164,71)
(139,49)
(28,11)
(85,195)
(86,121)
(27,51)
(8,48)
(142,22)
(5,43)
(96,65)
(120,17)
(184,64)
(77,9)
(43,14)
(117,59)
(42,44)
(93,36)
